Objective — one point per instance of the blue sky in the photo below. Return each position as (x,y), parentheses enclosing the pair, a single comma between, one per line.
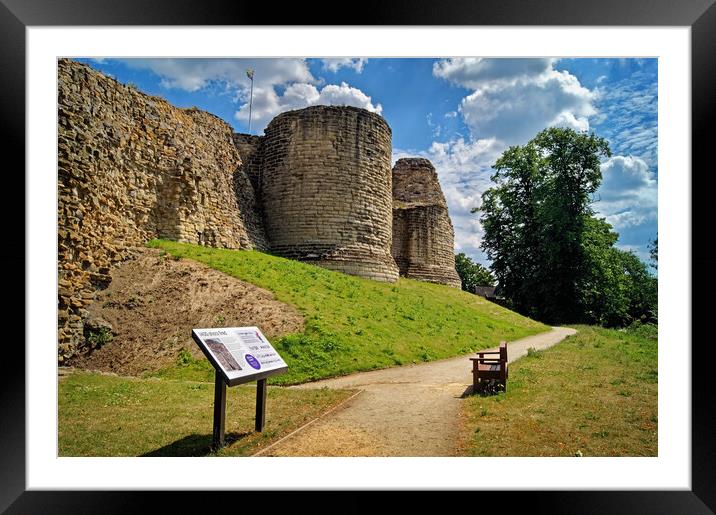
(459,113)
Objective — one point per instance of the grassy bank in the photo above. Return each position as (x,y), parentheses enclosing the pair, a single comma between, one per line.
(355,324)
(103,415)
(594,394)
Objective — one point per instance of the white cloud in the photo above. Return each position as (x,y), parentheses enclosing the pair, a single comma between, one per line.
(515,112)
(279,84)
(194,74)
(480,73)
(335,64)
(267,103)
(513,99)
(628,195)
(508,101)
(346,95)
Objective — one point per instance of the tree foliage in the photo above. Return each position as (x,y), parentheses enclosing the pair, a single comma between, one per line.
(554,260)
(472,274)
(654,253)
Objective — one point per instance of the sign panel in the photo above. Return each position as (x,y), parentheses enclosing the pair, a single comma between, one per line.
(242,354)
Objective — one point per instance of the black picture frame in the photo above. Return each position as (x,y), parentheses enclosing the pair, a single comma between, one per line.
(700,15)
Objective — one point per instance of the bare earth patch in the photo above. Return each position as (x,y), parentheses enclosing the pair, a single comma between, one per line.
(154,301)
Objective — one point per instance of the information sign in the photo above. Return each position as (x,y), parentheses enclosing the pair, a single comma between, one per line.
(239,355)
(242,354)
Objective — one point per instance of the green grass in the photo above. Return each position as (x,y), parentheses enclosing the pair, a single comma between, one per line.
(594,394)
(103,415)
(355,324)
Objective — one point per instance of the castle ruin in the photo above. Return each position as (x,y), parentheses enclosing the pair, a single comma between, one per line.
(423,236)
(317,187)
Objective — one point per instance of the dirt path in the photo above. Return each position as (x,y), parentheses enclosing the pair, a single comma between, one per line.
(402,411)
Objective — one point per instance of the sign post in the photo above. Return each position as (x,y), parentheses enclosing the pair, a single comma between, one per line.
(260,404)
(219,411)
(239,355)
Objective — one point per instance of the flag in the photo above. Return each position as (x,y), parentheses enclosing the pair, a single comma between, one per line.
(250,74)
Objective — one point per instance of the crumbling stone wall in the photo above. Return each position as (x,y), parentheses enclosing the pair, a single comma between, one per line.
(317,187)
(423,235)
(326,189)
(249,147)
(130,168)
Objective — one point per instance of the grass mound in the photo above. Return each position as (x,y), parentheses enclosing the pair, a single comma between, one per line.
(355,324)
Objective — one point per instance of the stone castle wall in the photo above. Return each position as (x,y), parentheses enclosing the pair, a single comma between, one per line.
(249,147)
(423,235)
(130,168)
(326,189)
(317,186)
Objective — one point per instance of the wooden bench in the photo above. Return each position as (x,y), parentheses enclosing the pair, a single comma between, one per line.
(487,369)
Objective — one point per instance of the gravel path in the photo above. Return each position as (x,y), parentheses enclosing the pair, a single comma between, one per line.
(402,411)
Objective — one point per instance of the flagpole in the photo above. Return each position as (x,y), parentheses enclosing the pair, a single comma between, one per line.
(250,73)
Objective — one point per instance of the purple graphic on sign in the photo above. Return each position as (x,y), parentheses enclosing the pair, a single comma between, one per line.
(252,361)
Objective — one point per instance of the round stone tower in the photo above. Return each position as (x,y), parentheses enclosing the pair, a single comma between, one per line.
(327,191)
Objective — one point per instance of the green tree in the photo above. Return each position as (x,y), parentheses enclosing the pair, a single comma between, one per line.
(535,217)
(616,288)
(570,174)
(654,252)
(554,260)
(472,274)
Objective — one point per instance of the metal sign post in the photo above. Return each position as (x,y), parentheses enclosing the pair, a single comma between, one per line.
(219,412)
(239,355)
(260,404)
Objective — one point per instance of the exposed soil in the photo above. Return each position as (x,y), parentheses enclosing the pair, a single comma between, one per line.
(154,301)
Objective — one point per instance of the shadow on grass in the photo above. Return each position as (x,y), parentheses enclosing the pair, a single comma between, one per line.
(489,389)
(193,446)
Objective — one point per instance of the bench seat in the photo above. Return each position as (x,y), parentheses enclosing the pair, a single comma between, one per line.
(493,368)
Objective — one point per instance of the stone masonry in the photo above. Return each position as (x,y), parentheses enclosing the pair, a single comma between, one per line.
(423,236)
(130,168)
(326,189)
(249,147)
(316,187)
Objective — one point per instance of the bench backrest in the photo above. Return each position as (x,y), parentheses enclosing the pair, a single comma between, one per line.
(503,351)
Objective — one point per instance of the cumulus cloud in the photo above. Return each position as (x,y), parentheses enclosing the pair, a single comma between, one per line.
(628,195)
(267,103)
(480,73)
(279,84)
(335,64)
(508,101)
(349,96)
(513,99)
(194,74)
